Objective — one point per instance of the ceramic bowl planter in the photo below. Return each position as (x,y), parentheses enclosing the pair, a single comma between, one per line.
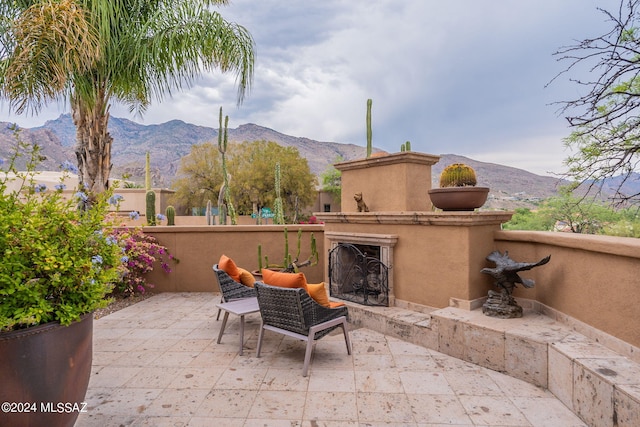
(458,191)
(459,198)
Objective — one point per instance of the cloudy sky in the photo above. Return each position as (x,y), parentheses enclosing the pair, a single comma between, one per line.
(465,77)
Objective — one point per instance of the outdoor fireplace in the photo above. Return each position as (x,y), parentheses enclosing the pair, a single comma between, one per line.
(359,268)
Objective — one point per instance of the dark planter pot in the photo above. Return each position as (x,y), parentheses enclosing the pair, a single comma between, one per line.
(458,198)
(45,373)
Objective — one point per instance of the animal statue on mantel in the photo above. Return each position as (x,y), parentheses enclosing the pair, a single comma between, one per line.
(502,304)
(362,206)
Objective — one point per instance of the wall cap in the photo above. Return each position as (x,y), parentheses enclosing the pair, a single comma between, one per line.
(621,246)
(417,218)
(389,159)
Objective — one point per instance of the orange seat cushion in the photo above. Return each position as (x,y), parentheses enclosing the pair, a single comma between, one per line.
(227,265)
(284,280)
(246,278)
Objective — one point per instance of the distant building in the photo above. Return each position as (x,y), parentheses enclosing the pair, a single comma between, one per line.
(47,178)
(325,202)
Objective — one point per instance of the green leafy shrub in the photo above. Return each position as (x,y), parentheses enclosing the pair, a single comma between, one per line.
(57,263)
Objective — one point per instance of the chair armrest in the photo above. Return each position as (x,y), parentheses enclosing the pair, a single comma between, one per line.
(316,313)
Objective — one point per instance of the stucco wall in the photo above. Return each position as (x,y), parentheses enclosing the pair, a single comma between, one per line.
(199,247)
(594,279)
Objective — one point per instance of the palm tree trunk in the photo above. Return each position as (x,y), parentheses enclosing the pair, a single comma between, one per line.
(93,144)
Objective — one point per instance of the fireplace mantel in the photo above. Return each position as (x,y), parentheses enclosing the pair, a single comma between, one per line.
(464,219)
(335,237)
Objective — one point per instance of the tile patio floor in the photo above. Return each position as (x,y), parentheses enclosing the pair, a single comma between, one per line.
(157,363)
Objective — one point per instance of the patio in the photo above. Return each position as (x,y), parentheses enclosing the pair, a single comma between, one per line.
(157,363)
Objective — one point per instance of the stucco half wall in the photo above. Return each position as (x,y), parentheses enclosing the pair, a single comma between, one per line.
(591,280)
(199,247)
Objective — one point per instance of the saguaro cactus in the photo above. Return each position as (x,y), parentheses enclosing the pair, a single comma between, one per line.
(369,131)
(151,208)
(226,206)
(278,208)
(147,172)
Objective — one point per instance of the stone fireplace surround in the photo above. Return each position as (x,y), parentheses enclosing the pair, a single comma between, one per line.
(385,242)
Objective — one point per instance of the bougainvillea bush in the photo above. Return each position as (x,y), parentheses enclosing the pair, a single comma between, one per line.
(140,253)
(56,262)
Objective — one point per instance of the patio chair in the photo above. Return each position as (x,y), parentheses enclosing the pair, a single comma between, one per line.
(230,289)
(292,312)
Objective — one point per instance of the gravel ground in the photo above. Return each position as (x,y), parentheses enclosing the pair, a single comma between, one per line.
(119,303)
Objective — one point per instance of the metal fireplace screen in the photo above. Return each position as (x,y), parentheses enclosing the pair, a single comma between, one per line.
(357,274)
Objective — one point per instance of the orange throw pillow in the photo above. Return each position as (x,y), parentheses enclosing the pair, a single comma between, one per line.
(284,280)
(227,265)
(318,292)
(246,278)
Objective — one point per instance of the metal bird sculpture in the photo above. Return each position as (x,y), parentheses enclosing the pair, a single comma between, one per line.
(506,271)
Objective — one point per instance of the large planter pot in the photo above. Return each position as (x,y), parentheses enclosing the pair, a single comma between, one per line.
(44,373)
(458,198)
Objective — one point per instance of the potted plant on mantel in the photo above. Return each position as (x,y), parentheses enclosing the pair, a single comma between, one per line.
(56,268)
(458,191)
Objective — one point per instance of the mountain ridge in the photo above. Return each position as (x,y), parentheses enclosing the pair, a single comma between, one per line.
(168,142)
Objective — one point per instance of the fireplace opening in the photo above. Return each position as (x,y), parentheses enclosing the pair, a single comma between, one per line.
(357,274)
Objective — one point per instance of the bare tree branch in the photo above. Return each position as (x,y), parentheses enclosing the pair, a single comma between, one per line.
(606,120)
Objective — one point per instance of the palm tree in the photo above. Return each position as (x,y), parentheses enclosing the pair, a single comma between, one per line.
(91,52)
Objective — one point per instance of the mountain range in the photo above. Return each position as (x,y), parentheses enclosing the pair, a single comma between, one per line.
(169,142)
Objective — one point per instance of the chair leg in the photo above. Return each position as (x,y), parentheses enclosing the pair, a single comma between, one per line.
(260,335)
(307,354)
(241,334)
(224,324)
(219,310)
(346,336)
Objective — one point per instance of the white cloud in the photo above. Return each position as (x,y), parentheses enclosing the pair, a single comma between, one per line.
(545,158)
(464,77)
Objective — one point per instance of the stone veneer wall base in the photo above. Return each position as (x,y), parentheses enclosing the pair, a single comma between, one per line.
(544,348)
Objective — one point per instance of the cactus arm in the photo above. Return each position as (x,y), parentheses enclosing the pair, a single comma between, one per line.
(369,131)
(286,247)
